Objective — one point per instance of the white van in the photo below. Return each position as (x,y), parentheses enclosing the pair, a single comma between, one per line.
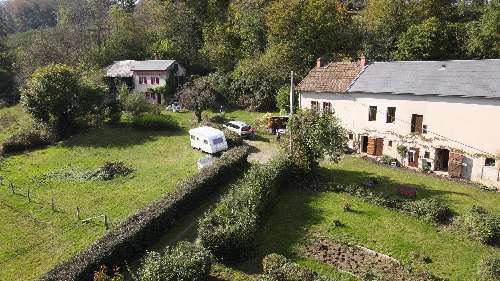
(208,139)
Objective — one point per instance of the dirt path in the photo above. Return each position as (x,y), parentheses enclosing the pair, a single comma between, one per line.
(262,150)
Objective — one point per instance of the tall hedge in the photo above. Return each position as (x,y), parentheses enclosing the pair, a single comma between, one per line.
(140,230)
(229,230)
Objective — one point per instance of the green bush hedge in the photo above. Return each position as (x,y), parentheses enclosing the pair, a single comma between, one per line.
(430,210)
(33,137)
(480,225)
(184,262)
(232,138)
(154,122)
(229,230)
(278,268)
(140,230)
(489,269)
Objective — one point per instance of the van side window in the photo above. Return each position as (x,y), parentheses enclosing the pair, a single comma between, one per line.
(192,137)
(205,141)
(218,141)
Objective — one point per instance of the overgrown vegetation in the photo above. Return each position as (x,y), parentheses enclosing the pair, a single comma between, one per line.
(183,262)
(278,268)
(32,137)
(489,268)
(155,122)
(479,225)
(229,230)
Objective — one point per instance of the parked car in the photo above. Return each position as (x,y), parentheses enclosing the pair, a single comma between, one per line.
(241,128)
(208,139)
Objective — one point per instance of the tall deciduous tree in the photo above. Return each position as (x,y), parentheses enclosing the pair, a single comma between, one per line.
(421,41)
(484,35)
(7,82)
(56,95)
(197,96)
(314,136)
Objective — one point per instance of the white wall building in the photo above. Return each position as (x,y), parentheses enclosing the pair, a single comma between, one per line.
(145,76)
(446,113)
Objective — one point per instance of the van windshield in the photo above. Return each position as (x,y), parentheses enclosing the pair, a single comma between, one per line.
(218,141)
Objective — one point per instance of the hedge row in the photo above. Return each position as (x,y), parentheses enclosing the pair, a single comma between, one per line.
(229,230)
(184,262)
(140,230)
(429,210)
(33,137)
(278,268)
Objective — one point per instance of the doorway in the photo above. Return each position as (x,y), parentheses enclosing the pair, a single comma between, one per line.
(442,159)
(364,144)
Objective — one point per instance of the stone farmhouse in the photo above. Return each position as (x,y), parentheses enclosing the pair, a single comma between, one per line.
(146,76)
(445,113)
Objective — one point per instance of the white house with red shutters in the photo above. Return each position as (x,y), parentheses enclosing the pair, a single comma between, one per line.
(445,113)
(146,76)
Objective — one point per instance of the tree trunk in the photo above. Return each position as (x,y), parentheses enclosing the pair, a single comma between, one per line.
(198,115)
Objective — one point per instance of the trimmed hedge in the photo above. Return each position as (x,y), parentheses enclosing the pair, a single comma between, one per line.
(140,230)
(278,268)
(229,230)
(232,138)
(154,122)
(184,262)
(36,136)
(480,226)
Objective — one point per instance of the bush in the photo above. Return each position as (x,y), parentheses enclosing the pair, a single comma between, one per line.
(184,262)
(33,137)
(135,104)
(430,210)
(218,118)
(489,269)
(109,171)
(277,267)
(140,230)
(229,230)
(232,138)
(480,225)
(154,122)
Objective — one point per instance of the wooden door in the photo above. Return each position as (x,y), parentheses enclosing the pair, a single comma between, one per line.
(379,146)
(371,146)
(417,123)
(455,164)
(416,155)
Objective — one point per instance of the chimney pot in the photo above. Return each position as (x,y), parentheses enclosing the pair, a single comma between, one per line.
(320,62)
(363,61)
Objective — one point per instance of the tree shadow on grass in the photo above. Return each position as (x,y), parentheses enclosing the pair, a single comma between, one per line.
(123,136)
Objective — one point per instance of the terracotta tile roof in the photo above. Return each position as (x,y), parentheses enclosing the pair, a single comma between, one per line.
(334,77)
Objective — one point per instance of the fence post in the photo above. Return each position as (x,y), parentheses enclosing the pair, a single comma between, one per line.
(106,222)
(78,212)
(53,204)
(29,197)
(12,188)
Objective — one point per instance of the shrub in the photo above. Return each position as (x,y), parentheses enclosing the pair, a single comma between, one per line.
(135,104)
(154,122)
(229,230)
(232,138)
(105,275)
(35,136)
(480,225)
(489,269)
(430,210)
(277,267)
(140,230)
(184,262)
(218,118)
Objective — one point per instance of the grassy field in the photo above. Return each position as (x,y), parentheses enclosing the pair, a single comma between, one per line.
(11,119)
(33,238)
(298,212)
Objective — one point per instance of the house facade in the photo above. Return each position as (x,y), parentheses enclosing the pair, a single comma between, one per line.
(444,115)
(144,77)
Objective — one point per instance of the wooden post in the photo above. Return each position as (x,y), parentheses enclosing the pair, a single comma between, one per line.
(29,197)
(106,222)
(78,212)
(53,204)
(12,188)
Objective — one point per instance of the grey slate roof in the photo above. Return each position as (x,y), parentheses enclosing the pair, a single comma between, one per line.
(461,78)
(121,69)
(154,65)
(126,68)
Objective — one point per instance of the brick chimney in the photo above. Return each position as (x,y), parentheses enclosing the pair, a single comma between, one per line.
(363,61)
(320,62)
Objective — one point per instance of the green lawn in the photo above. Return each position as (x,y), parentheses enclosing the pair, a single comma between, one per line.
(33,238)
(298,212)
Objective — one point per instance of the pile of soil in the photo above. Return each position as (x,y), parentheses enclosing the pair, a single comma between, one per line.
(360,261)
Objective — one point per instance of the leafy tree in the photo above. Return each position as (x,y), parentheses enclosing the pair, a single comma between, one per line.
(484,35)
(283,99)
(313,137)
(197,96)
(7,82)
(56,95)
(421,41)
(127,5)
